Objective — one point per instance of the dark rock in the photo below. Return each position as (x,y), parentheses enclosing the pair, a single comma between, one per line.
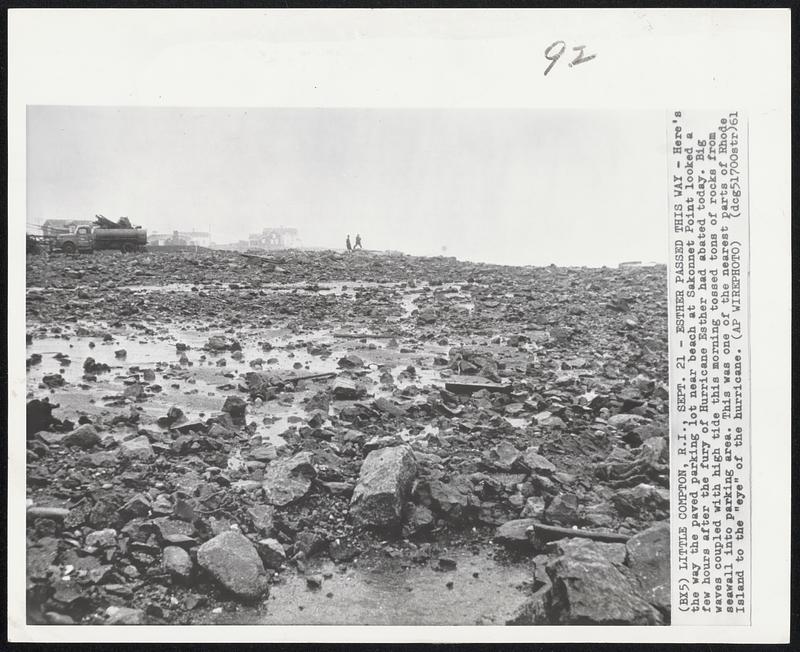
(38,416)
(346,390)
(314,581)
(310,543)
(446,564)
(139,505)
(271,552)
(351,361)
(341,551)
(53,380)
(563,510)
(236,407)
(449,500)
(419,521)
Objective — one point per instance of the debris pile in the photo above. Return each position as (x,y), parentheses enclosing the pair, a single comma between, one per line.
(261,421)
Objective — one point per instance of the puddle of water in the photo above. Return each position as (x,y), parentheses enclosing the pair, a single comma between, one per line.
(387,593)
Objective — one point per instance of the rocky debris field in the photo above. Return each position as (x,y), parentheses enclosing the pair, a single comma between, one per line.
(215,438)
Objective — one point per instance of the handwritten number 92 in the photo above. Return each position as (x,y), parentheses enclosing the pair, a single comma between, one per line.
(555,50)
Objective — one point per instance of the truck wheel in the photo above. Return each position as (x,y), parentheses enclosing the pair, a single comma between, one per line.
(127,248)
(69,248)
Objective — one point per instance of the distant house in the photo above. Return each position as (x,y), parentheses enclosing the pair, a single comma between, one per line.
(56,227)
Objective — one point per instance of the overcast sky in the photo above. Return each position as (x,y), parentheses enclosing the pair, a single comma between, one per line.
(517,186)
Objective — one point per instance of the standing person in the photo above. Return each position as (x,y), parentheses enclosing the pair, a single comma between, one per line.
(358,241)
(349,246)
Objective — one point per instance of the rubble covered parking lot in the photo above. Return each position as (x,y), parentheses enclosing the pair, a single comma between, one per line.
(215,438)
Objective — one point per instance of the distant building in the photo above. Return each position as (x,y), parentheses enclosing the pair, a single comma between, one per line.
(281,237)
(56,227)
(187,238)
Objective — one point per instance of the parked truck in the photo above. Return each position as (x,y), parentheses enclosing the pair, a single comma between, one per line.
(89,238)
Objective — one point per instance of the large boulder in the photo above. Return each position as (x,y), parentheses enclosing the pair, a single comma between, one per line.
(286,481)
(588,588)
(648,558)
(233,561)
(383,483)
(84,436)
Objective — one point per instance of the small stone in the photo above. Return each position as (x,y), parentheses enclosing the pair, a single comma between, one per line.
(271,552)
(102,538)
(314,581)
(262,517)
(351,361)
(447,564)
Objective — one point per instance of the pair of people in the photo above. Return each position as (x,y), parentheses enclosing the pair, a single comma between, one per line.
(358,242)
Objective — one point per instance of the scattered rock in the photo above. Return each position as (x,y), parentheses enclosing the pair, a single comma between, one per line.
(383,483)
(286,481)
(588,589)
(84,436)
(177,562)
(233,561)
(649,559)
(137,449)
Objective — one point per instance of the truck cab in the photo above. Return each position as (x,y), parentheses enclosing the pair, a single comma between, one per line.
(80,239)
(83,238)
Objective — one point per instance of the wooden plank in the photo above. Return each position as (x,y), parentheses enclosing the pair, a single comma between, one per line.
(471,384)
(544,533)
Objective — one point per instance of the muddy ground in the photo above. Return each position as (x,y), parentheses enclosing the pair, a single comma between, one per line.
(478,444)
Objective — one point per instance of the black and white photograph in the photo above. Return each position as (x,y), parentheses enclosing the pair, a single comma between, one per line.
(398,325)
(346,367)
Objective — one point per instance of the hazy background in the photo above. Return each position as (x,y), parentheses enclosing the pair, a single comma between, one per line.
(505,186)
